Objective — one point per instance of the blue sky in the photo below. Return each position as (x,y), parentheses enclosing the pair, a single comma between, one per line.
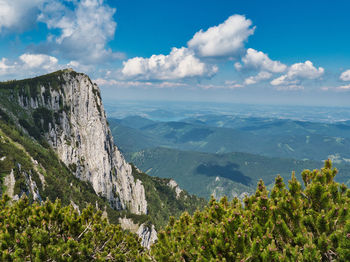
(270,52)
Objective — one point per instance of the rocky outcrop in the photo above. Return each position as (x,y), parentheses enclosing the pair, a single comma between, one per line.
(172,184)
(9,184)
(129,224)
(148,235)
(31,187)
(70,111)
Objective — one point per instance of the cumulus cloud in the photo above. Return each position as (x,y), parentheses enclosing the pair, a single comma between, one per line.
(296,73)
(79,30)
(180,63)
(345,76)
(254,59)
(224,40)
(5,67)
(283,80)
(18,15)
(305,70)
(80,67)
(257,78)
(39,61)
(29,65)
(83,32)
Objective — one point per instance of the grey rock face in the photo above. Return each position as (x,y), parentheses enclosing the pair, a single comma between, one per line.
(80,135)
(148,235)
(172,183)
(9,183)
(31,187)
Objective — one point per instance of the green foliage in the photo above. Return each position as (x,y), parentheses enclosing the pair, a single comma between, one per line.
(50,232)
(4,116)
(43,117)
(196,172)
(163,202)
(32,85)
(294,224)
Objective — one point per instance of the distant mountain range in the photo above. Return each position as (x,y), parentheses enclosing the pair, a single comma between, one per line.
(227,155)
(223,134)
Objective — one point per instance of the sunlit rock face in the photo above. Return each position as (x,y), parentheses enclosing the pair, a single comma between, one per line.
(83,141)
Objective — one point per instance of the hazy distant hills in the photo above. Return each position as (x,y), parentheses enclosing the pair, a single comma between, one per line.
(225,155)
(223,134)
(274,126)
(222,174)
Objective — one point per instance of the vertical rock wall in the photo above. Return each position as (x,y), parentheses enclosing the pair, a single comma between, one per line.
(83,141)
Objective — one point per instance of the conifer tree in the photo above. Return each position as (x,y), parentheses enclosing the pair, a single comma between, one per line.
(287,224)
(50,232)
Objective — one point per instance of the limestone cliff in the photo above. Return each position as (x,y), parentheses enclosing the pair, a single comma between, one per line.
(55,142)
(69,108)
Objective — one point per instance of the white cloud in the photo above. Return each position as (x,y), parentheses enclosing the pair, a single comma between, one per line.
(296,73)
(259,77)
(345,87)
(163,84)
(79,30)
(18,15)
(5,67)
(142,84)
(258,60)
(75,65)
(305,70)
(337,88)
(84,31)
(290,87)
(224,40)
(39,61)
(180,63)
(29,65)
(284,80)
(227,85)
(106,82)
(345,76)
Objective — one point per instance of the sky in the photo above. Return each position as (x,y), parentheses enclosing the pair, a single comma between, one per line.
(253,51)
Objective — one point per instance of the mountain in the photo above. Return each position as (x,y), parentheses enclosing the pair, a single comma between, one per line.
(199,152)
(56,143)
(230,174)
(270,137)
